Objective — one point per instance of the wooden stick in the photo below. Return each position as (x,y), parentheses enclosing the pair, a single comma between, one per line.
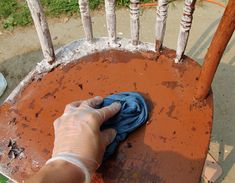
(161,23)
(42,29)
(185,26)
(219,42)
(111,20)
(86,19)
(134,21)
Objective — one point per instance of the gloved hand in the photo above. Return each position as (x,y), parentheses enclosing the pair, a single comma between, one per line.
(78,138)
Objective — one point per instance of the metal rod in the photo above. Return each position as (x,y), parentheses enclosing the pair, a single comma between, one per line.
(219,42)
(42,29)
(86,19)
(111,20)
(185,26)
(134,21)
(161,23)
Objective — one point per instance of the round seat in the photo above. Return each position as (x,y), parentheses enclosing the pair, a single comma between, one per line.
(171,147)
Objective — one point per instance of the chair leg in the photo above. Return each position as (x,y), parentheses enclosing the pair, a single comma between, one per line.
(215,52)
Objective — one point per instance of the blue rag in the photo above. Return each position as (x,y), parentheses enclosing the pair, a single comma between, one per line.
(133,113)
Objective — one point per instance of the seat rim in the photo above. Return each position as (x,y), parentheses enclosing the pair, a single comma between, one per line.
(74,51)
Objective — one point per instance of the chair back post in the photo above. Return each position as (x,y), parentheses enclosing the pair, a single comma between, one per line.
(42,29)
(86,19)
(185,26)
(111,20)
(213,56)
(134,21)
(160,27)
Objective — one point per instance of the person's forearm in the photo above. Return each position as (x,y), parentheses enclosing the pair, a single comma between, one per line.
(58,172)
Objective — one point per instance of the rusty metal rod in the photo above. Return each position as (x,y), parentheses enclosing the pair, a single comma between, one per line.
(220,40)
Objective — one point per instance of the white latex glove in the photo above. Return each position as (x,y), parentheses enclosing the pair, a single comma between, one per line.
(78,138)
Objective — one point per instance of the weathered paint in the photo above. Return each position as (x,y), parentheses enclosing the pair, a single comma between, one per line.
(86,19)
(111,20)
(134,21)
(185,26)
(74,51)
(161,16)
(171,147)
(42,29)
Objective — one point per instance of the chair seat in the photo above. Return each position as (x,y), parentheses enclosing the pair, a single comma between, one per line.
(171,147)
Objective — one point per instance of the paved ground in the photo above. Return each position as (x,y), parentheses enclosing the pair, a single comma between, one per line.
(19,52)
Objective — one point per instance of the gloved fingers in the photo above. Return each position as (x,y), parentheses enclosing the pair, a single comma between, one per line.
(93,102)
(108,136)
(72,106)
(109,111)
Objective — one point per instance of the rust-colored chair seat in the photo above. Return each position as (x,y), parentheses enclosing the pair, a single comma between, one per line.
(171,147)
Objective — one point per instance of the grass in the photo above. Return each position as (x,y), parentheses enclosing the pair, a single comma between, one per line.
(16,13)
(3,179)
(13,13)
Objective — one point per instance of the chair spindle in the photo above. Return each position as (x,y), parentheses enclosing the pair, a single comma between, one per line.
(161,23)
(111,20)
(86,19)
(185,26)
(134,21)
(42,29)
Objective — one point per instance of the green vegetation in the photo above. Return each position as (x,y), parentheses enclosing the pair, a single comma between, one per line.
(16,13)
(3,179)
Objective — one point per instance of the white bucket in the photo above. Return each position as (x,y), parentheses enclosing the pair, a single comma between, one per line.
(3,84)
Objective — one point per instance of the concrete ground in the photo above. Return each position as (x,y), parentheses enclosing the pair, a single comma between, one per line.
(20,51)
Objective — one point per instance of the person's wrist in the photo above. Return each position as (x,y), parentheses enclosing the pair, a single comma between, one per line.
(69,170)
(66,166)
(75,160)
(58,171)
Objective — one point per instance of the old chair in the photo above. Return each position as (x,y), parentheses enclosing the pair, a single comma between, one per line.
(171,147)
